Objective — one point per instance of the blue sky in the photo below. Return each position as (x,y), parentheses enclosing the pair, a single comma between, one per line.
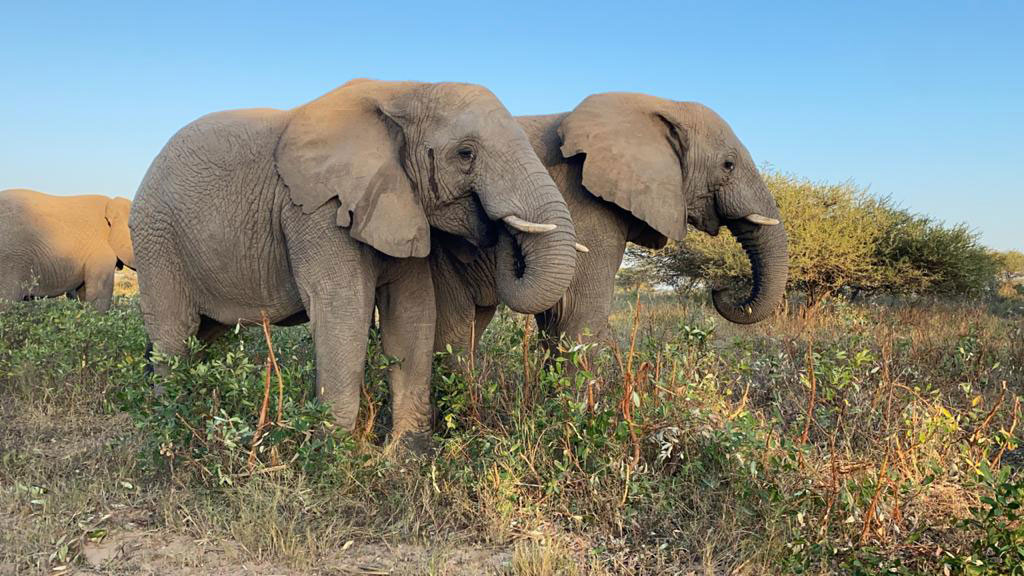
(920,101)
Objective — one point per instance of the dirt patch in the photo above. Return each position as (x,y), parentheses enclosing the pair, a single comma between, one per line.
(154,553)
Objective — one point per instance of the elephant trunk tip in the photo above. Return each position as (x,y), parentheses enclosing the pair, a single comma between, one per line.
(736,313)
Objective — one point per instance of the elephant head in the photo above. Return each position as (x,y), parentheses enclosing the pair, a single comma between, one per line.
(403,157)
(120,238)
(673,163)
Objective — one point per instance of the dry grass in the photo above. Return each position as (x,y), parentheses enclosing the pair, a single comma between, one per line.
(126,282)
(726,463)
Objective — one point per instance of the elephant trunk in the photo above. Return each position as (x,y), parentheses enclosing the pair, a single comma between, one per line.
(766,247)
(117,214)
(534,263)
(121,243)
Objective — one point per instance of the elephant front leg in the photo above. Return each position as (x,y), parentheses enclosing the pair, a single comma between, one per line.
(99,281)
(340,321)
(407,318)
(455,306)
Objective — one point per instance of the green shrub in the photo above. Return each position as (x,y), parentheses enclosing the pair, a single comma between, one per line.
(840,239)
(694,442)
(998,548)
(918,255)
(206,418)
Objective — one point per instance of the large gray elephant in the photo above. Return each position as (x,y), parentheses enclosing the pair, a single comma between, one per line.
(632,168)
(55,245)
(312,212)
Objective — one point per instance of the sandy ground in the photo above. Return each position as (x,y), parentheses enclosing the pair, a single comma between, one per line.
(154,553)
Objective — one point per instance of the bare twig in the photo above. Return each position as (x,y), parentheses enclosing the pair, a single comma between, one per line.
(627,389)
(1013,427)
(869,517)
(265,320)
(263,418)
(811,397)
(988,417)
(526,353)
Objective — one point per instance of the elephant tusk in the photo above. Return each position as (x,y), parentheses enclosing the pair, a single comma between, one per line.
(582,248)
(762,220)
(527,226)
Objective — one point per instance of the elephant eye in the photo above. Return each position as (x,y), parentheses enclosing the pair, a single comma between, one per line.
(728,165)
(466,153)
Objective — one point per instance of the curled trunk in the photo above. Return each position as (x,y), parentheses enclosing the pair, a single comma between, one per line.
(766,248)
(533,268)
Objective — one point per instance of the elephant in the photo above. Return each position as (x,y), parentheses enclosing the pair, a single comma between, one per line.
(632,168)
(316,213)
(62,245)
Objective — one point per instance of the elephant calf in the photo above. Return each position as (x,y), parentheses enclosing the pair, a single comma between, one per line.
(632,168)
(56,245)
(316,212)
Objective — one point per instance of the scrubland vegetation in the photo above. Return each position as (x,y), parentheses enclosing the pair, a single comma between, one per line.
(844,240)
(872,427)
(854,438)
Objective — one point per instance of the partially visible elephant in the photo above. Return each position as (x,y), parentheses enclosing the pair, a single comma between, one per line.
(314,212)
(56,245)
(632,168)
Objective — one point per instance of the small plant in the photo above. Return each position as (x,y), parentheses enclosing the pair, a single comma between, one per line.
(998,548)
(207,417)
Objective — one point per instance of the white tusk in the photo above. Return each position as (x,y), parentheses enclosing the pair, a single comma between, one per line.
(582,248)
(527,226)
(762,220)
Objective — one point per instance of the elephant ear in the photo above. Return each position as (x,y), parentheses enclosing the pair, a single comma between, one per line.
(634,159)
(117,213)
(346,145)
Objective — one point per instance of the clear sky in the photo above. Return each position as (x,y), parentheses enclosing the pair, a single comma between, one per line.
(920,101)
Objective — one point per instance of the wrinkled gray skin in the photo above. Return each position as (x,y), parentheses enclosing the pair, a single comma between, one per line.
(313,212)
(56,245)
(632,168)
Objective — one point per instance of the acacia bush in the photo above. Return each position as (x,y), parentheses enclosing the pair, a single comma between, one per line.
(841,238)
(916,254)
(1011,275)
(1013,264)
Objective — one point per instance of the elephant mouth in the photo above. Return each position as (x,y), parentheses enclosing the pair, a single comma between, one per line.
(516,261)
(518,258)
(488,235)
(466,219)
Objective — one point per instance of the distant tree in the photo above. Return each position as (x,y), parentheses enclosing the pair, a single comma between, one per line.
(920,255)
(1013,264)
(832,231)
(1011,274)
(637,271)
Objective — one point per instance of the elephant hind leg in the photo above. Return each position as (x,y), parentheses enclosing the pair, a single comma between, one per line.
(169,313)
(170,334)
(207,331)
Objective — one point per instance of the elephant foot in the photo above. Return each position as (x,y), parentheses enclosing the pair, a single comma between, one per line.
(419,444)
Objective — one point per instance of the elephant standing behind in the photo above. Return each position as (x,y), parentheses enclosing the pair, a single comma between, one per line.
(54,245)
(632,168)
(316,212)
